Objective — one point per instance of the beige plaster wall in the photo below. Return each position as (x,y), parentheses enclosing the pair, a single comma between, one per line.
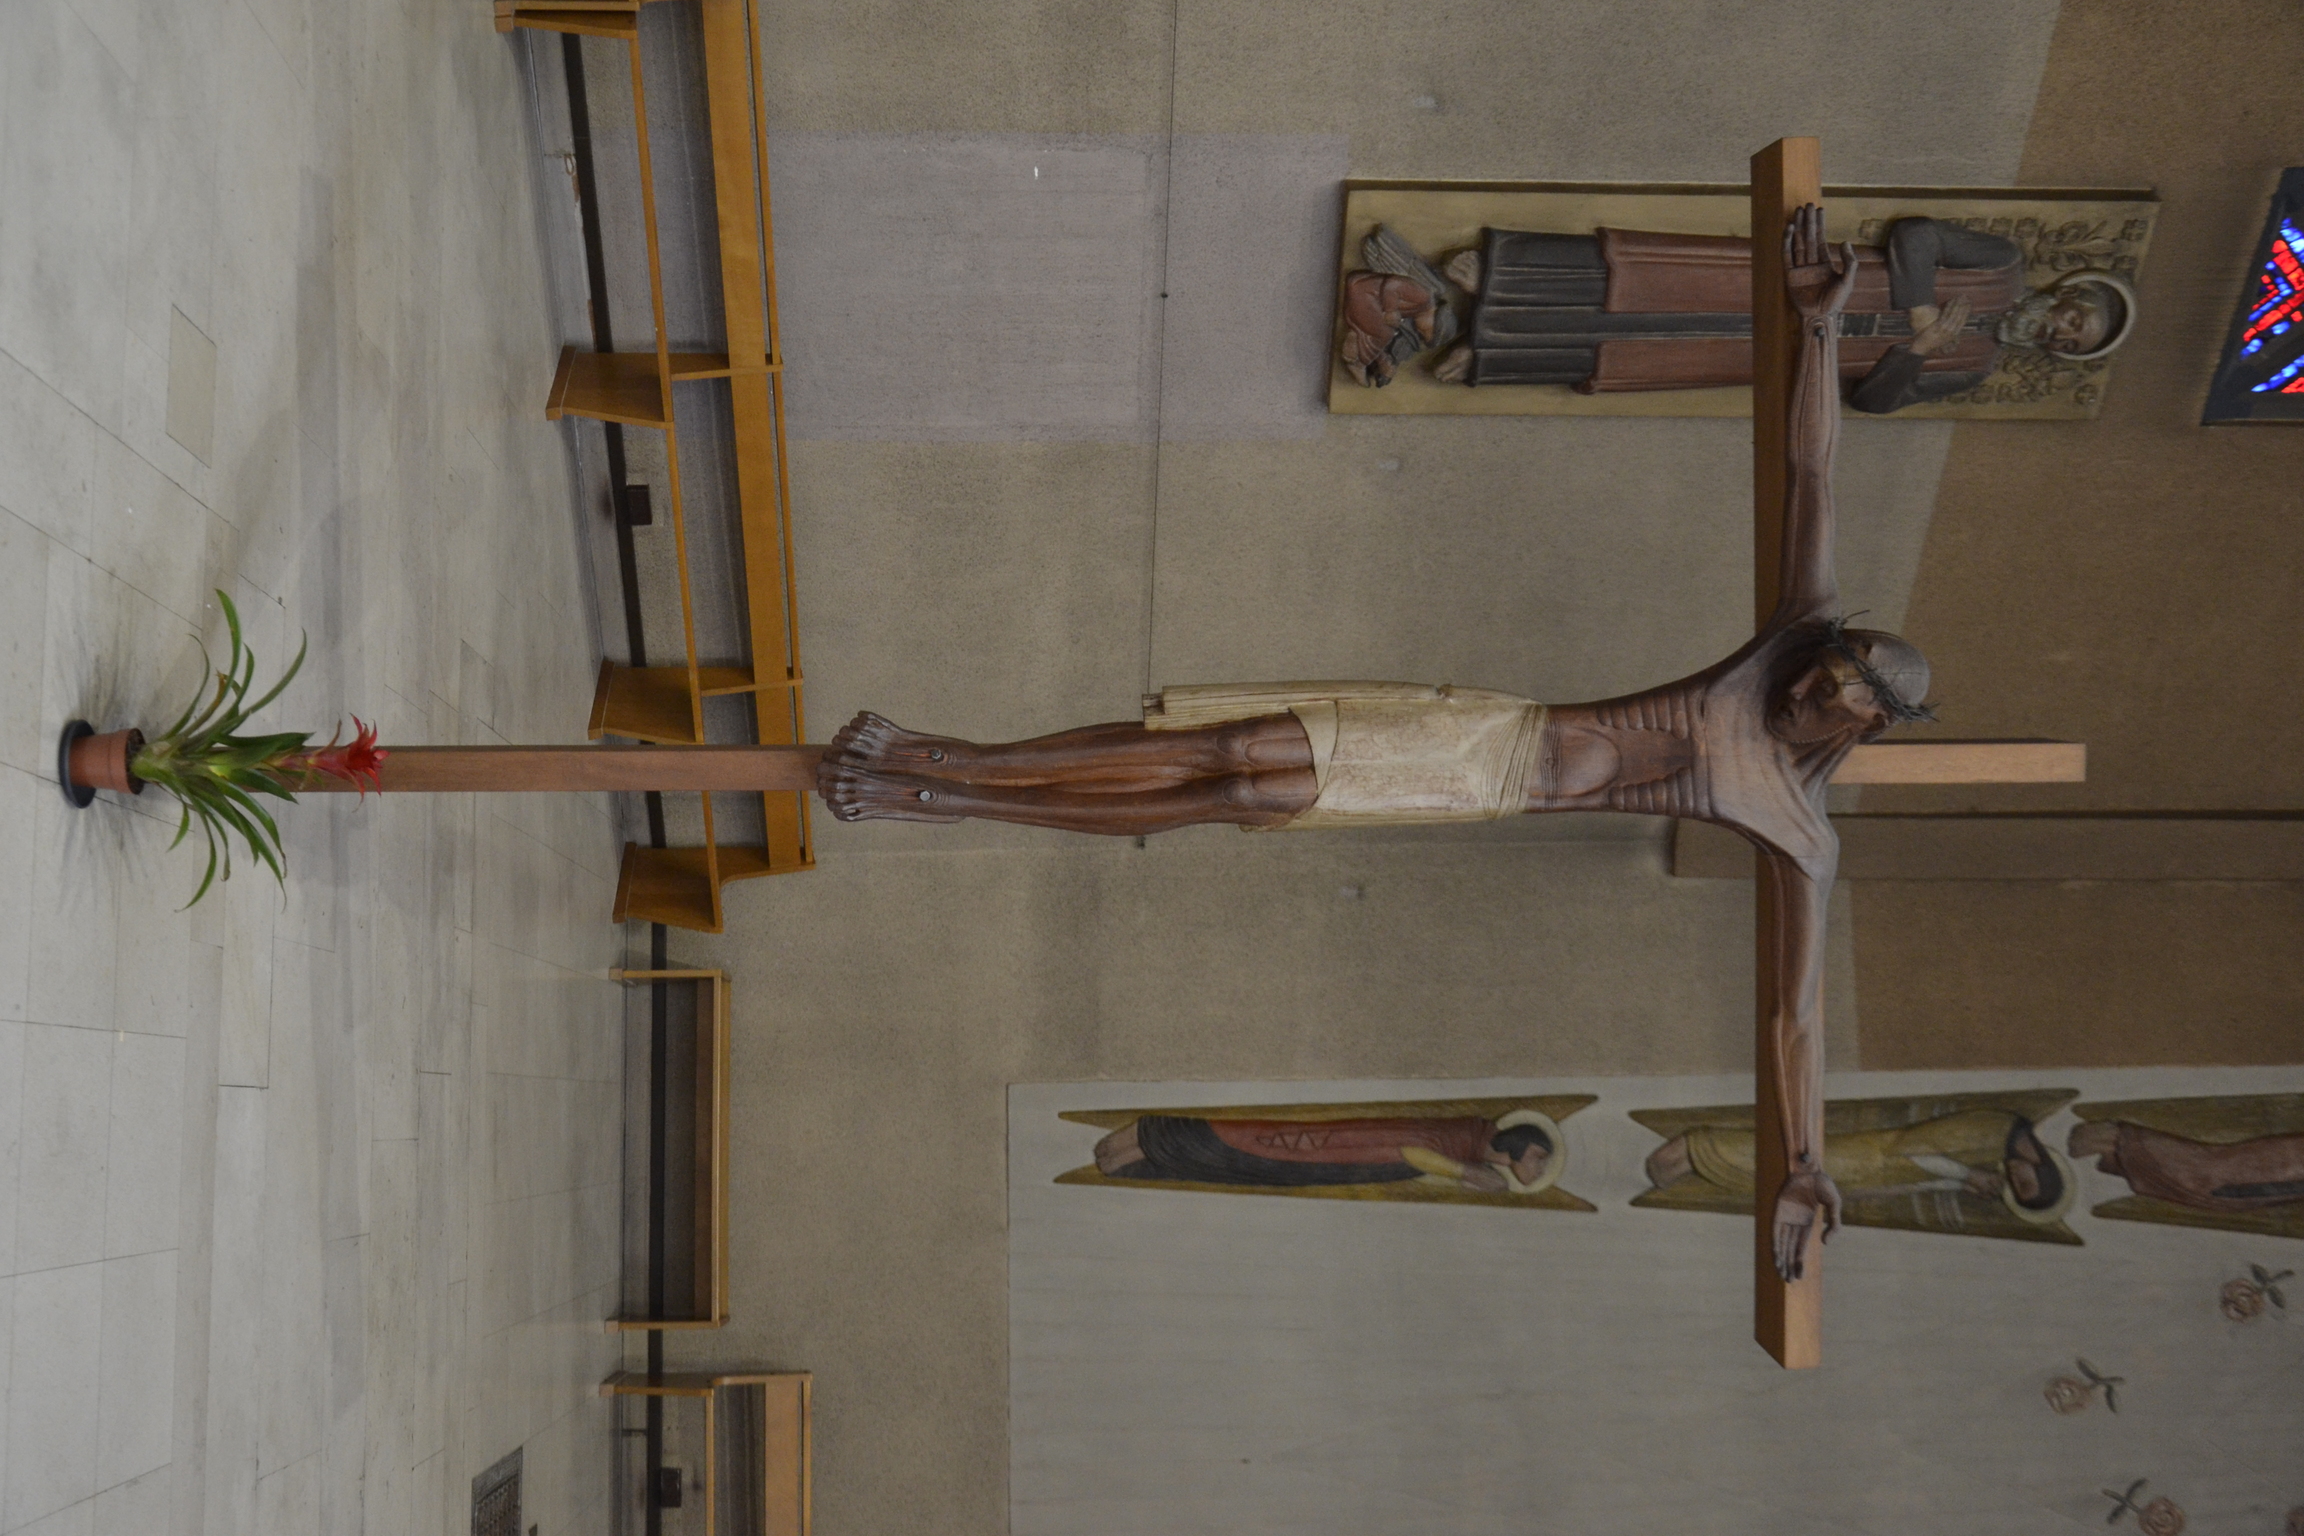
(2130,582)
(1020,582)
(1227,1363)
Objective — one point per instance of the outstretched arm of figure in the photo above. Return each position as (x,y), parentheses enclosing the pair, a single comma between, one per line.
(1819,280)
(1439,1165)
(1792,992)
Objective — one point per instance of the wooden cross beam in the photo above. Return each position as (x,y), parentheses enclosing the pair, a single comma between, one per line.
(575,769)
(1788,1315)
(1795,877)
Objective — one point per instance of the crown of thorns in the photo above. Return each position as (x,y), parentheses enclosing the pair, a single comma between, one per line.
(1900,710)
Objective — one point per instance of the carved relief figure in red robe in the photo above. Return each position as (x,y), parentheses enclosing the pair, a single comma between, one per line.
(2251,1175)
(1285,1154)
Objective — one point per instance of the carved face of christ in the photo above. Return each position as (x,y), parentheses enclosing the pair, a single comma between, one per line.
(1828,700)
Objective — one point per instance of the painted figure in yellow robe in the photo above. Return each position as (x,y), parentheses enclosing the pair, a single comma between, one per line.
(1990,1153)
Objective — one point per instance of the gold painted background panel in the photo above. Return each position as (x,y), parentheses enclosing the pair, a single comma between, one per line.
(1414,1192)
(2060,229)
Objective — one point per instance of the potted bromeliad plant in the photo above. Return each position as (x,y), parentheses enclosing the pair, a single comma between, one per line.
(216,773)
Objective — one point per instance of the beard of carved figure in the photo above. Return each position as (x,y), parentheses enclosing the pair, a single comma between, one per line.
(1860,681)
(2064,319)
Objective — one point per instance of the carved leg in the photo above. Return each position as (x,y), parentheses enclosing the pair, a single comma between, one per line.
(1241,799)
(1119,758)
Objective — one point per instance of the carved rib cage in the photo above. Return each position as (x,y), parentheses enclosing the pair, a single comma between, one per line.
(1667,711)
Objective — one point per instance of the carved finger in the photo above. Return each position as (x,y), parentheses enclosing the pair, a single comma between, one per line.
(1791,1237)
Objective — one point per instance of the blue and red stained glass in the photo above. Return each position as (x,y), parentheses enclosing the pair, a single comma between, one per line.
(2260,374)
(2280,309)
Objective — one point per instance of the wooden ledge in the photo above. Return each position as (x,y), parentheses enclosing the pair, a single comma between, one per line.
(1966,762)
(2015,846)
(584,18)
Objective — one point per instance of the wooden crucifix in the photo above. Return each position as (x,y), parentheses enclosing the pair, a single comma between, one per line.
(1750,743)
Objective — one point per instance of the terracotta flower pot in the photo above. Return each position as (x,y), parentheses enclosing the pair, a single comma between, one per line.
(93,762)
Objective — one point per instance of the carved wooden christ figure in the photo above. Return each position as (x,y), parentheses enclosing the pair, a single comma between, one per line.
(1749,742)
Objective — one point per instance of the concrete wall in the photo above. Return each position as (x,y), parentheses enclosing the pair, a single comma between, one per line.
(1187,1362)
(2129,582)
(1026,489)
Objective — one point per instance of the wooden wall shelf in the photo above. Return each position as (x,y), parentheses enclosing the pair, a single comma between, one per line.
(757,1427)
(680,887)
(585,18)
(665,704)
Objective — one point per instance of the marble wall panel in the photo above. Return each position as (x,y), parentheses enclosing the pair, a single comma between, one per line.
(1300,1365)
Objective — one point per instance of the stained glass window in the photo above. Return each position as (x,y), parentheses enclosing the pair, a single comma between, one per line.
(2280,309)
(2262,374)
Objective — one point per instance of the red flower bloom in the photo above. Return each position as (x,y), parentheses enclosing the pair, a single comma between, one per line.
(359,762)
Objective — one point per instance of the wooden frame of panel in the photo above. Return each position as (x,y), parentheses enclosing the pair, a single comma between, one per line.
(710,1302)
(785,1493)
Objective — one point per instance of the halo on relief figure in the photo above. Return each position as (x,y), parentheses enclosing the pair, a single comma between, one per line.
(1554,1165)
(2120,289)
(2047,1216)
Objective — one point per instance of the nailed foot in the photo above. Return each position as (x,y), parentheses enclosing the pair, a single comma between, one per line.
(874,742)
(859,794)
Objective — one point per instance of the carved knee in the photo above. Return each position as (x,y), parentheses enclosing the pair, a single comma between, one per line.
(1240,791)
(1236,745)
(1268,743)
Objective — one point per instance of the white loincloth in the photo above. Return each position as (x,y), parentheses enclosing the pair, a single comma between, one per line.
(1385,753)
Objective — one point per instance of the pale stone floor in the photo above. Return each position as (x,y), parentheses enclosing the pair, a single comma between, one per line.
(308,1199)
